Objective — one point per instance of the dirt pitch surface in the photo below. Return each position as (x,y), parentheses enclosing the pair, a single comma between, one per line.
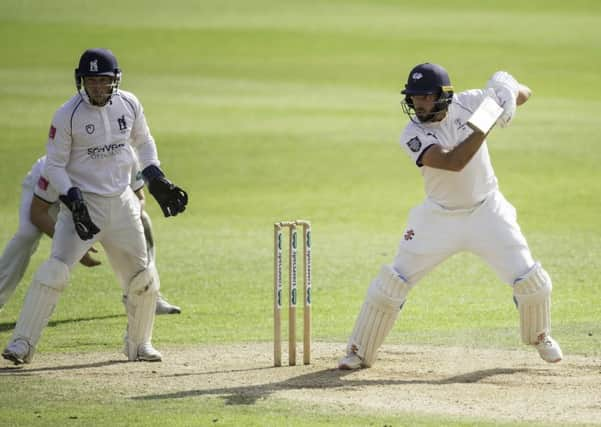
(497,385)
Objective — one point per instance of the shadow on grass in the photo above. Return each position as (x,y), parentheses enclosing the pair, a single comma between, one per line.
(18,369)
(324,379)
(9,326)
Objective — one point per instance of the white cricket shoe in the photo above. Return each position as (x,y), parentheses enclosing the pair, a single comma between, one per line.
(350,362)
(164,307)
(146,353)
(548,349)
(18,351)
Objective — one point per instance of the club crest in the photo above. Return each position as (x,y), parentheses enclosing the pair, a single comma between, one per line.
(417,75)
(94,66)
(414,144)
(122,123)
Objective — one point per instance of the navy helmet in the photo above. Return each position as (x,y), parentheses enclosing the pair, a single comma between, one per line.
(428,79)
(98,62)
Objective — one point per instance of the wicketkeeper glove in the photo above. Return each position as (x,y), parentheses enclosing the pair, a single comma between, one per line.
(84,226)
(171,198)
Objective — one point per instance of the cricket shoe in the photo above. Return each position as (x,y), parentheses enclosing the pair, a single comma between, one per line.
(548,349)
(18,351)
(164,307)
(146,353)
(350,362)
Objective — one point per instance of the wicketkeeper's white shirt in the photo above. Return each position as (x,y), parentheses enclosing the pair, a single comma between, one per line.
(36,182)
(89,146)
(452,190)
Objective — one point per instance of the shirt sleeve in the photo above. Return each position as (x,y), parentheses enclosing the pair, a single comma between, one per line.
(58,152)
(415,142)
(45,191)
(141,138)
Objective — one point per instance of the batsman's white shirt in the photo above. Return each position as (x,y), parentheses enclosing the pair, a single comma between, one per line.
(463,211)
(88,146)
(449,189)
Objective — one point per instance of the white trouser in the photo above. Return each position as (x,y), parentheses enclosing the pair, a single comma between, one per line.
(489,230)
(20,248)
(121,235)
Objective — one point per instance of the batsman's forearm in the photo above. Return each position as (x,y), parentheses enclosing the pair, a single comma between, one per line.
(463,153)
(523,94)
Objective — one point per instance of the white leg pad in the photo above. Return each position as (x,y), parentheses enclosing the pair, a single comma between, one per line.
(385,297)
(147,224)
(43,294)
(140,305)
(532,292)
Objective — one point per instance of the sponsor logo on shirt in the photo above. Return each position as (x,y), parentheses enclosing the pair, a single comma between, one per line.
(90,129)
(105,151)
(52,132)
(43,183)
(414,144)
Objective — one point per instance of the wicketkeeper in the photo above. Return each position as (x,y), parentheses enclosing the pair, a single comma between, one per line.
(37,216)
(89,162)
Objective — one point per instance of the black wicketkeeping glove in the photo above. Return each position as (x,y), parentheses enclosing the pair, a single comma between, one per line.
(84,226)
(171,198)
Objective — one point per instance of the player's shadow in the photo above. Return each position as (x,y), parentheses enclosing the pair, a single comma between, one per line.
(19,371)
(324,379)
(9,326)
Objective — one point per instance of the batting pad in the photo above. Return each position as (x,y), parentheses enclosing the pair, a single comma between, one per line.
(385,297)
(533,295)
(50,280)
(140,305)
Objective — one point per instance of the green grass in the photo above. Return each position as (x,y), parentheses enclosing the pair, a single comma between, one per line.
(269,110)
